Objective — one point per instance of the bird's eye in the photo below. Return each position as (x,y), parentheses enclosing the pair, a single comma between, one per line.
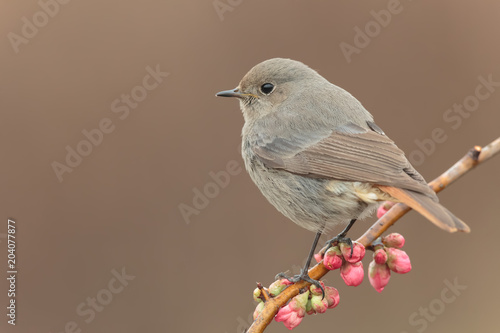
(267,88)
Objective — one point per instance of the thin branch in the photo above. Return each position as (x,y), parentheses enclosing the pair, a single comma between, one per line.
(475,156)
(265,295)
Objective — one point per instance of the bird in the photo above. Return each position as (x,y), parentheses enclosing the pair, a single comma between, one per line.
(318,157)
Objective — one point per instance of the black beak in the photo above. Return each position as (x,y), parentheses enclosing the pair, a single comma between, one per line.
(230,93)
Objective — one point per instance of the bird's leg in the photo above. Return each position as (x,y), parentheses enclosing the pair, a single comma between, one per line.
(304,276)
(341,238)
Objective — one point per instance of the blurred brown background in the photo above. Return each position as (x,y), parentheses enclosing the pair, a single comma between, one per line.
(119,208)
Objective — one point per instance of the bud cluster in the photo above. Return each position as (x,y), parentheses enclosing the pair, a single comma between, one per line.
(340,256)
(386,258)
(309,302)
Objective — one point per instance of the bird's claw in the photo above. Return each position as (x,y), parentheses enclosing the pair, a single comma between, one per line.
(340,238)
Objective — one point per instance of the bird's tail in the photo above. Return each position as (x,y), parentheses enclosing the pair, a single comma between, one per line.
(429,208)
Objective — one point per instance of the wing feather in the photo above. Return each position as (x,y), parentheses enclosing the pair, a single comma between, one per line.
(349,153)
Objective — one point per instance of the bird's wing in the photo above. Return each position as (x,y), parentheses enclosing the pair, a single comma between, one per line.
(349,152)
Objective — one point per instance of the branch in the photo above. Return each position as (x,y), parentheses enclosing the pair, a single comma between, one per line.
(474,157)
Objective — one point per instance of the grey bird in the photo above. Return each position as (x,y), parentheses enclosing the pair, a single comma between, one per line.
(317,156)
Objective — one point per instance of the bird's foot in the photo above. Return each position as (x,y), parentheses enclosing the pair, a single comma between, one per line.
(303,276)
(341,238)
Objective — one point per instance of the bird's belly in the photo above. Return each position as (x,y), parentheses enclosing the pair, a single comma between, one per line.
(311,202)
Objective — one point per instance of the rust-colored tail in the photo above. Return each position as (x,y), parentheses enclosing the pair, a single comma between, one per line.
(429,208)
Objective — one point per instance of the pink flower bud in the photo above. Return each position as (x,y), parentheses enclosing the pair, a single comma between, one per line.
(291,314)
(299,302)
(258,310)
(379,275)
(309,309)
(318,257)
(384,208)
(394,240)
(319,304)
(278,286)
(316,290)
(289,318)
(352,273)
(332,297)
(358,252)
(333,258)
(256,295)
(398,261)
(284,313)
(380,256)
